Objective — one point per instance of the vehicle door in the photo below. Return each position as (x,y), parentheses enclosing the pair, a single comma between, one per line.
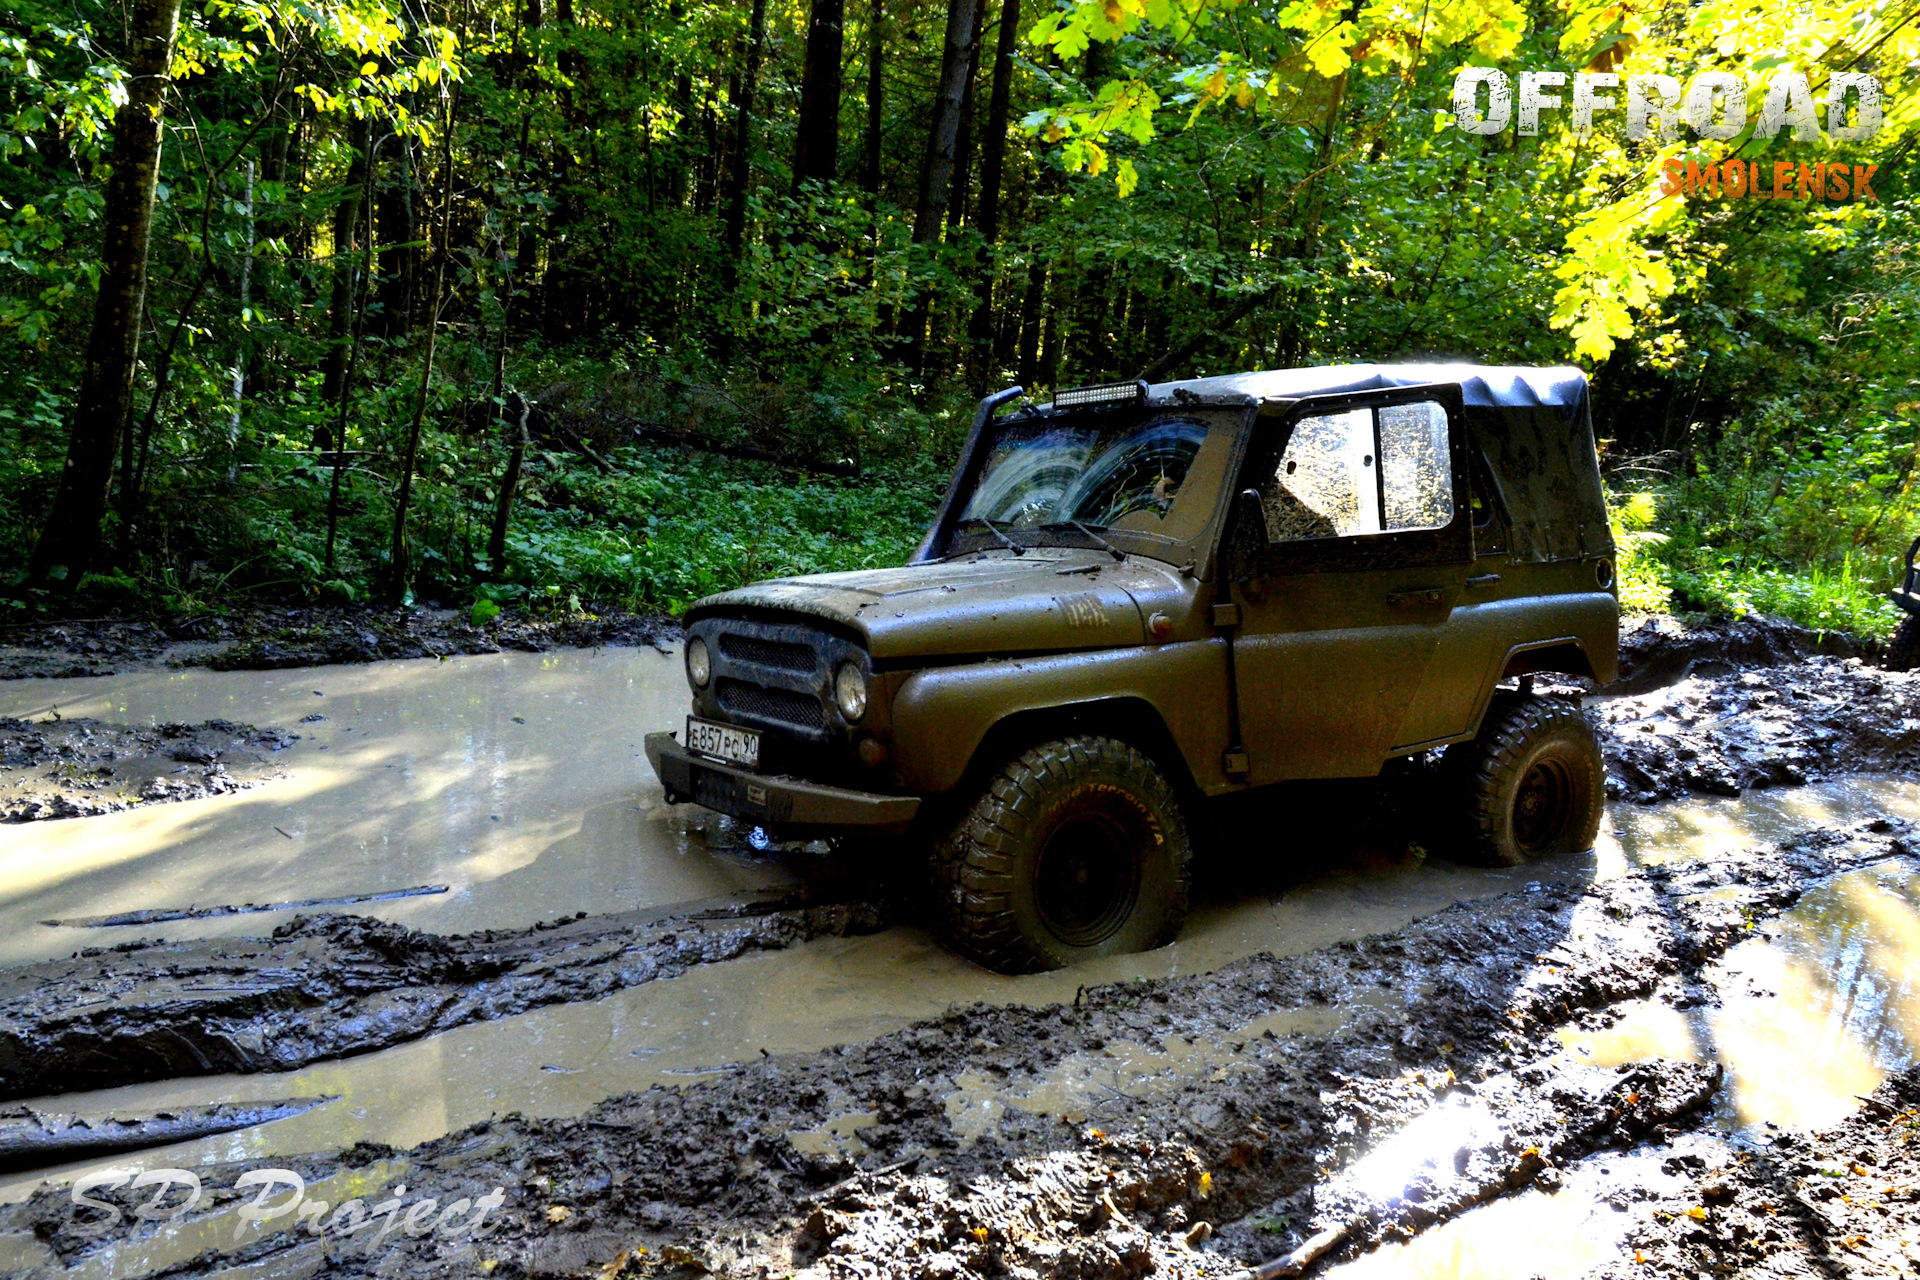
(1353,549)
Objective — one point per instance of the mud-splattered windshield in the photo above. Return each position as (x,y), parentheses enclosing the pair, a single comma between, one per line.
(1098,473)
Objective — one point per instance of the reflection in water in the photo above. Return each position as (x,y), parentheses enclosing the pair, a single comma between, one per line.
(1814,1012)
(1707,827)
(1810,1016)
(1549,1235)
(517,779)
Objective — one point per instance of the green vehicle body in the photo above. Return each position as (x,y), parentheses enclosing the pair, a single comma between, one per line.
(1233,658)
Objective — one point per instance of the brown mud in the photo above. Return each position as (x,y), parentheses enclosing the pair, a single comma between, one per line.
(269,637)
(333,985)
(1370,1089)
(1841,1202)
(1447,1023)
(53,768)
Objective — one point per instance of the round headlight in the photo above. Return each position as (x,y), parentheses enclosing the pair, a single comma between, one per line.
(850,690)
(699,663)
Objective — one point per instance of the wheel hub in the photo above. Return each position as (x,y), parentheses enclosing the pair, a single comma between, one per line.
(1086,880)
(1542,805)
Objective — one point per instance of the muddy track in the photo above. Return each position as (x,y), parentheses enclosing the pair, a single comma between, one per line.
(1293,1067)
(79,768)
(332,985)
(261,638)
(339,985)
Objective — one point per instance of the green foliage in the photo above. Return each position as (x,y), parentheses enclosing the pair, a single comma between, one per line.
(1246,186)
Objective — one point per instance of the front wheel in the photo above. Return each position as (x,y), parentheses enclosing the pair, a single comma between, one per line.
(1076,849)
(1535,783)
(1903,651)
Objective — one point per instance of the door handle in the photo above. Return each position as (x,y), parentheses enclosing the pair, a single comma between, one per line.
(1417,595)
(1483,579)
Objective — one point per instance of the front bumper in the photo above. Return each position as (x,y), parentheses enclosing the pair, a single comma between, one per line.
(788,803)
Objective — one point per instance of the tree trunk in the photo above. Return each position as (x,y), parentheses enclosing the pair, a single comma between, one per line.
(936,169)
(993,160)
(71,534)
(816,148)
(876,93)
(397,231)
(964,135)
(516,415)
(1028,374)
(742,174)
(397,561)
(346,245)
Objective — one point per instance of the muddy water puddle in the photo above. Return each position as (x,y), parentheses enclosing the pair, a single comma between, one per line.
(515,780)
(1530,1235)
(1706,827)
(559,1061)
(1812,1013)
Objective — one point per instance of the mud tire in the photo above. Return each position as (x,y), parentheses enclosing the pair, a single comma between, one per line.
(1903,651)
(1012,875)
(1535,783)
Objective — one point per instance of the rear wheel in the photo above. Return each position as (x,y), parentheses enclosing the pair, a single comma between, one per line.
(1535,783)
(1076,849)
(1903,651)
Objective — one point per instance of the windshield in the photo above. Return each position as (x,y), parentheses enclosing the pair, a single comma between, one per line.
(1099,472)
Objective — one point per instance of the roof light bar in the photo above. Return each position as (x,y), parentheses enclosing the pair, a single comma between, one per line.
(1101,393)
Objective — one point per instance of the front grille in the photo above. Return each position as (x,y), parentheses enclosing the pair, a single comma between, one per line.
(781,654)
(782,706)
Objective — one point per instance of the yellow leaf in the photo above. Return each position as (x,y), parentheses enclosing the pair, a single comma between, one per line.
(1698,1213)
(371,68)
(558,1213)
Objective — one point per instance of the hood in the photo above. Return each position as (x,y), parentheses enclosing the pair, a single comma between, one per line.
(1048,600)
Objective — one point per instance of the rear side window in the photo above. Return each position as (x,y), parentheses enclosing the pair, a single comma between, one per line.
(1363,471)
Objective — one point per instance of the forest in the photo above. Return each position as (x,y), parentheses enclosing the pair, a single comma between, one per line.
(549,305)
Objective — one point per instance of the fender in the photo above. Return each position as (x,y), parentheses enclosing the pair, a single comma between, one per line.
(941,716)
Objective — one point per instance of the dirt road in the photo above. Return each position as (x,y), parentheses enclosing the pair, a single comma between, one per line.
(756,1064)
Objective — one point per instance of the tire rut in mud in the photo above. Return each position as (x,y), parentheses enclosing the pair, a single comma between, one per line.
(331,985)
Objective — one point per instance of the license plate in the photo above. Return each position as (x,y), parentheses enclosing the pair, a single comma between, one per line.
(724,742)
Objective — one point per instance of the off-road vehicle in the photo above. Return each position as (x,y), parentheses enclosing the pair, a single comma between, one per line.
(1140,596)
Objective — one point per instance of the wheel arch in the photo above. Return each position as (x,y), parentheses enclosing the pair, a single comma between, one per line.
(1129,718)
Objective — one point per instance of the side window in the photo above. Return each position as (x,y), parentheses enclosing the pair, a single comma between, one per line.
(1364,471)
(1416,474)
(1324,486)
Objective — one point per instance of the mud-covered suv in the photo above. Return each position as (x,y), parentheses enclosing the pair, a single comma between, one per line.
(1137,597)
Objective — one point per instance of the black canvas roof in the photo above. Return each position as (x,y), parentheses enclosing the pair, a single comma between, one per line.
(1533,426)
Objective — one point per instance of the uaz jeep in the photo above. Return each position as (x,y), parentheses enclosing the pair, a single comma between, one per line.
(1141,596)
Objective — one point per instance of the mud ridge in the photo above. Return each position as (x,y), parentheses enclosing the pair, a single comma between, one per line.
(1661,649)
(1257,1133)
(1727,732)
(56,768)
(328,986)
(1843,1202)
(264,638)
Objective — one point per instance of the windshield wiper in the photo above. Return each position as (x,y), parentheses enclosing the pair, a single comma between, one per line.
(1106,546)
(994,529)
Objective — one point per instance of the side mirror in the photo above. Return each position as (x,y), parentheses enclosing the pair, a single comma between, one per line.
(1247,539)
